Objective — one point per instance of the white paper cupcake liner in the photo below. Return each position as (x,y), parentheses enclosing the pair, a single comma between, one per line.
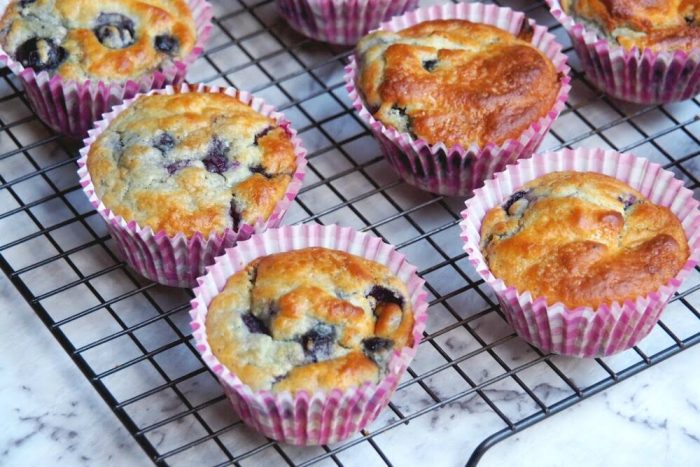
(178,260)
(71,106)
(583,331)
(458,170)
(302,418)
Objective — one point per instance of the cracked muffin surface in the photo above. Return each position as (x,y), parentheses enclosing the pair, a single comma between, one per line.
(456,82)
(656,24)
(191,162)
(113,40)
(582,239)
(310,319)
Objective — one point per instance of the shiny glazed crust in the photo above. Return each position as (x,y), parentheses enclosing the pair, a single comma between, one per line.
(582,239)
(72,26)
(655,24)
(191,162)
(310,319)
(456,82)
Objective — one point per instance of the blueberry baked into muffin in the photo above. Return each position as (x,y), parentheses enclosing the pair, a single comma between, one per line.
(112,40)
(191,162)
(654,24)
(309,319)
(582,239)
(456,82)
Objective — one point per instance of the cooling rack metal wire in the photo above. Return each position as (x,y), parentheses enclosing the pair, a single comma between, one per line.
(130,338)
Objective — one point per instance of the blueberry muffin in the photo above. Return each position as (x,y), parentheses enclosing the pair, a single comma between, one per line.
(111,40)
(456,82)
(310,319)
(191,162)
(655,24)
(582,239)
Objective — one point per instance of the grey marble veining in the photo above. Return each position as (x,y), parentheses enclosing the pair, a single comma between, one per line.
(650,419)
(50,415)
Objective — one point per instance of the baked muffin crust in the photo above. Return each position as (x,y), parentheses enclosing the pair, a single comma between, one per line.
(111,40)
(582,239)
(656,24)
(456,82)
(191,162)
(310,319)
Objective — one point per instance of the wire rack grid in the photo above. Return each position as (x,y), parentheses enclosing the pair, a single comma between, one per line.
(473,382)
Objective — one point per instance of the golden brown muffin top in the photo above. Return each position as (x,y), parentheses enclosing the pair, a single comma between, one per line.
(191,162)
(582,239)
(112,40)
(456,82)
(655,24)
(310,319)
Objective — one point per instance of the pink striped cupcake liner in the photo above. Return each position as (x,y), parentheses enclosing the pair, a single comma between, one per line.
(633,75)
(340,21)
(178,260)
(459,170)
(303,418)
(583,331)
(71,107)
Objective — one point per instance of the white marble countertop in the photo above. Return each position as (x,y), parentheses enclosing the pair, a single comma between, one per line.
(51,414)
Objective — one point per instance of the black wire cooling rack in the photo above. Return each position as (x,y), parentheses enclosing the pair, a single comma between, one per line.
(131,338)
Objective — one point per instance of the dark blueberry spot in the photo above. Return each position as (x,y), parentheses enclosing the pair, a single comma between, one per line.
(175,166)
(235,215)
(217,147)
(166,43)
(488,240)
(24,3)
(272,310)
(429,65)
(690,19)
(114,30)
(628,200)
(254,324)
(119,143)
(377,348)
(513,198)
(216,160)
(376,344)
(262,133)
(278,378)
(164,143)
(400,110)
(253,276)
(384,295)
(216,164)
(317,343)
(40,54)
(258,169)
